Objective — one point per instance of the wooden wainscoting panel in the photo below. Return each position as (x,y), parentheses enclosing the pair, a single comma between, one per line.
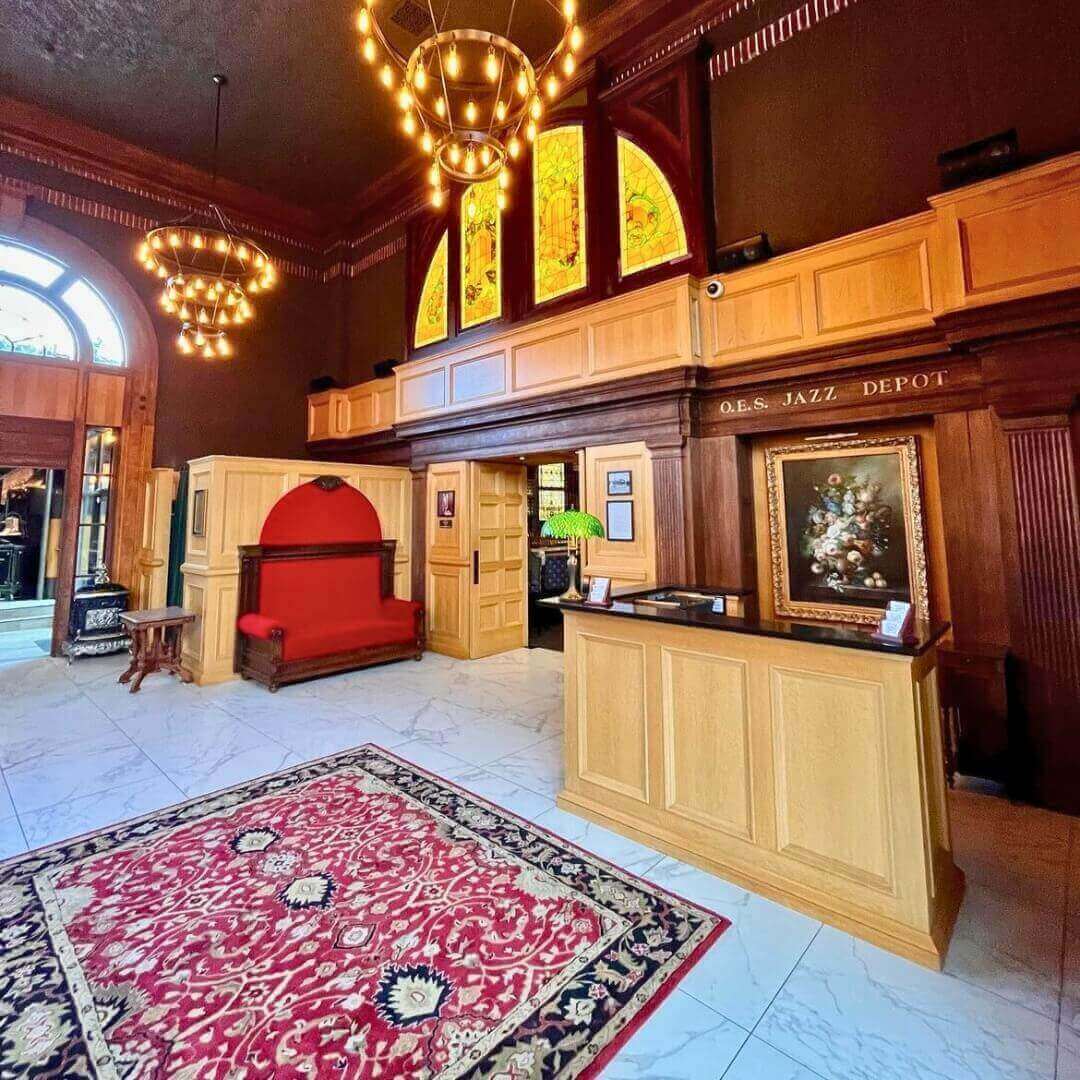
(41,391)
(612,721)
(422,391)
(879,288)
(448,590)
(478,378)
(652,334)
(320,424)
(833,806)
(749,316)
(105,399)
(548,361)
(707,757)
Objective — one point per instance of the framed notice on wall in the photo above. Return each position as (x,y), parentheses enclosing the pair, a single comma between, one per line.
(620,520)
(198,512)
(444,504)
(620,482)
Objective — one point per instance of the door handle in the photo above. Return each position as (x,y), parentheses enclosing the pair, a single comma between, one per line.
(476,567)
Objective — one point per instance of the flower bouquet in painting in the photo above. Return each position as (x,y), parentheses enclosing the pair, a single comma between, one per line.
(848,533)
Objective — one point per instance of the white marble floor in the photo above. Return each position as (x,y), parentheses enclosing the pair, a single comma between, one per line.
(779,997)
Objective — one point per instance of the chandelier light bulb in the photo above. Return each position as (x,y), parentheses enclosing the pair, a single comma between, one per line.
(485,156)
(200,338)
(208,351)
(453,63)
(500,111)
(551,87)
(420,78)
(155,243)
(162,272)
(434,174)
(568,64)
(426,142)
(174,239)
(183,344)
(223,347)
(408,124)
(513,147)
(223,318)
(404,99)
(577,38)
(522,83)
(500,200)
(470,162)
(368,50)
(440,106)
(535,108)
(530,131)
(454,154)
(569,8)
(504,178)
(470,111)
(363,22)
(437,198)
(387,76)
(491,65)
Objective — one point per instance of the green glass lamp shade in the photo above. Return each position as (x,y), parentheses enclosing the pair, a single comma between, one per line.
(573,525)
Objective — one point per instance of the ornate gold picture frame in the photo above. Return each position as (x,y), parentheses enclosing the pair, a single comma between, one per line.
(846,531)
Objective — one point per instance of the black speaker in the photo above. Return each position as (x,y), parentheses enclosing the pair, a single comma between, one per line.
(385,367)
(323,382)
(753,249)
(980,160)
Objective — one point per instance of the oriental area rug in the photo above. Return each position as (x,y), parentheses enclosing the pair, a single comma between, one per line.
(352,917)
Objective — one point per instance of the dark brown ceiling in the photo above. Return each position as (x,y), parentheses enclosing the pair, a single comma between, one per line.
(303,118)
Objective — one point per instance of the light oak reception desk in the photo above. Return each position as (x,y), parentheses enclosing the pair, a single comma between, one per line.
(803,762)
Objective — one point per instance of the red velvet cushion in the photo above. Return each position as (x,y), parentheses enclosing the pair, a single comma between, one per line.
(257,625)
(310,515)
(305,592)
(308,641)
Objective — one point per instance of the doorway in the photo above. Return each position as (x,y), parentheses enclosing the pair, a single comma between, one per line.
(31,518)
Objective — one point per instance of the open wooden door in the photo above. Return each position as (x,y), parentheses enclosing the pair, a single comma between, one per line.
(449,590)
(499,607)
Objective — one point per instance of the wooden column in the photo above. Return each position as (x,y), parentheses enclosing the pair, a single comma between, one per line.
(419,533)
(672,510)
(723,511)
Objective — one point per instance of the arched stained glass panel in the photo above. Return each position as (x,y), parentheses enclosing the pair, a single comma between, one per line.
(558,212)
(30,326)
(26,263)
(651,227)
(431,317)
(481,247)
(101,326)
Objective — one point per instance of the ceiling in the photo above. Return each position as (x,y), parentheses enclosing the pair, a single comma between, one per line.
(302,119)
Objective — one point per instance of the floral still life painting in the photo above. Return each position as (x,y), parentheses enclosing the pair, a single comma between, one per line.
(846,530)
(354,917)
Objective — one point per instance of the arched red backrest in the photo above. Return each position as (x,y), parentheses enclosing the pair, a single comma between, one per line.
(311,514)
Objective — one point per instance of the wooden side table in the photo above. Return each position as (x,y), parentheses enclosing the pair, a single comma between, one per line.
(155,643)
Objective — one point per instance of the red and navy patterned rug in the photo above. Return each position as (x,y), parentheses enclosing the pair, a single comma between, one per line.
(353,917)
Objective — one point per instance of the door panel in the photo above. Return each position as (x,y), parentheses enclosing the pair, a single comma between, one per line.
(449,561)
(499,615)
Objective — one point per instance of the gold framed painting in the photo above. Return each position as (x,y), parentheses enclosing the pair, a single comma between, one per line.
(846,531)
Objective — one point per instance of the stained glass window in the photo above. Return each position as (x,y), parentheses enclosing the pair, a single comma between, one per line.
(651,227)
(103,329)
(431,311)
(481,245)
(29,325)
(558,212)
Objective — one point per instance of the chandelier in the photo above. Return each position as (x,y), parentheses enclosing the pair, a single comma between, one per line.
(469,96)
(208,272)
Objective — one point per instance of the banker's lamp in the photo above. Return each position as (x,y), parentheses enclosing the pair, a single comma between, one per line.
(573,526)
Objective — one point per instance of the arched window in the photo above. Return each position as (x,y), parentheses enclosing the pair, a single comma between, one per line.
(481,254)
(558,212)
(651,229)
(431,319)
(48,310)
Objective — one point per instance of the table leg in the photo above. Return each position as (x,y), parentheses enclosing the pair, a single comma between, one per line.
(137,646)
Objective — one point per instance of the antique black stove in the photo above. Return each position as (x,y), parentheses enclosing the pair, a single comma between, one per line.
(95,628)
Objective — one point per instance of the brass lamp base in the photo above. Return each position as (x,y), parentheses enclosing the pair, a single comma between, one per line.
(572,592)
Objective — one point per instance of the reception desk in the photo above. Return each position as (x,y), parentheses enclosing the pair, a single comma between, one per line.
(803,762)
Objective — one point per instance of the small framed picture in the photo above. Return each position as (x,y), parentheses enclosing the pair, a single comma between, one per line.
(444,504)
(599,592)
(198,512)
(620,482)
(620,520)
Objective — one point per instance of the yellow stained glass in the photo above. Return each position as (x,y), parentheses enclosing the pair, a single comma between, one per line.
(481,245)
(431,311)
(558,212)
(651,227)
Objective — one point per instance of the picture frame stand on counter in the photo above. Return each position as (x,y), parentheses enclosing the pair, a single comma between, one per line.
(599,594)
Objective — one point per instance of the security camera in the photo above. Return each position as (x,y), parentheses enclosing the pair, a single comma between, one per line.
(714,289)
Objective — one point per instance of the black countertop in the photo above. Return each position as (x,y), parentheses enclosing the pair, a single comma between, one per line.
(701,617)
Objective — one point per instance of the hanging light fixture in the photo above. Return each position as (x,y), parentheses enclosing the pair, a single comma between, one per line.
(208,271)
(468,95)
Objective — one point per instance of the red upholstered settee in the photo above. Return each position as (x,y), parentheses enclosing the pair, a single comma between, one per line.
(316,592)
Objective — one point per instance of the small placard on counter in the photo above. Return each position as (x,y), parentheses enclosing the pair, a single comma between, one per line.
(719,605)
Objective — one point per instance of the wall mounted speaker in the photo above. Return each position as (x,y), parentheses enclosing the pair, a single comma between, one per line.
(979,160)
(753,249)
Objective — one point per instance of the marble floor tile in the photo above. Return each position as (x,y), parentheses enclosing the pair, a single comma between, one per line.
(538,768)
(89,669)
(479,738)
(851,1011)
(7,806)
(316,735)
(226,764)
(34,686)
(1021,851)
(50,728)
(1068,1056)
(89,812)
(682,1040)
(12,841)
(1009,946)
(740,975)
(1070,980)
(173,716)
(757,1060)
(618,850)
(500,791)
(428,757)
(81,769)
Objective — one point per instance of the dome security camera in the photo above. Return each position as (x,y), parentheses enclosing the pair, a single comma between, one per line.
(714,289)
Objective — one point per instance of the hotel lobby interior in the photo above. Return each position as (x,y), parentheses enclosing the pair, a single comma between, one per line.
(540,540)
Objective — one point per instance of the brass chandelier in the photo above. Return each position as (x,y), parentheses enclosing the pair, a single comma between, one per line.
(469,96)
(208,272)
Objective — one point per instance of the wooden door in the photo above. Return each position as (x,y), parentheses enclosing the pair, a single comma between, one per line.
(499,608)
(448,594)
